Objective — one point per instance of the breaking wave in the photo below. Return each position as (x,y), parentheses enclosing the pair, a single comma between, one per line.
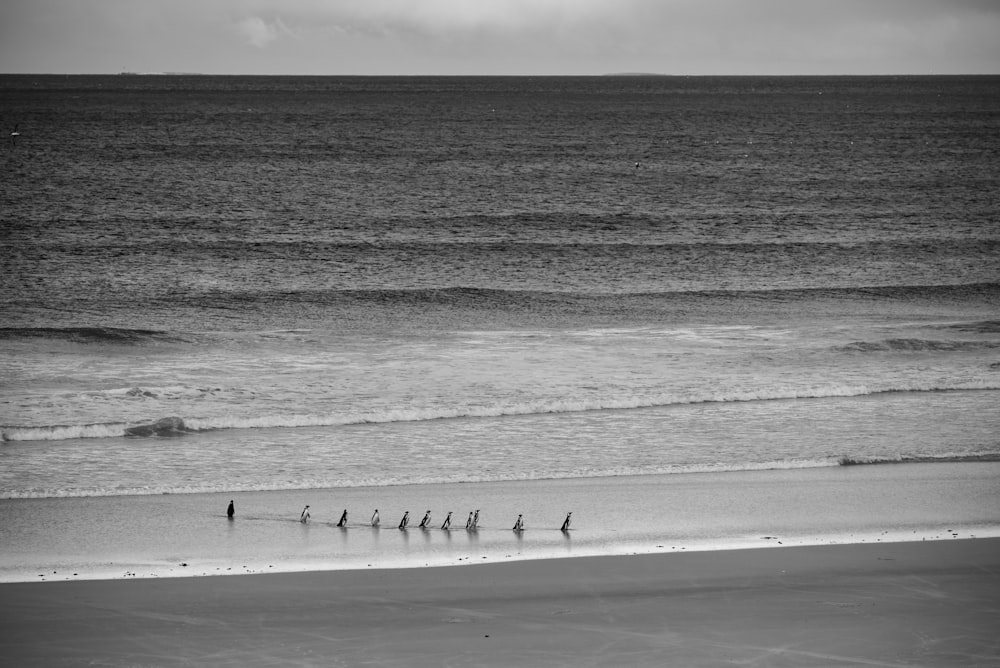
(196,424)
(916,345)
(62,432)
(981,327)
(91,335)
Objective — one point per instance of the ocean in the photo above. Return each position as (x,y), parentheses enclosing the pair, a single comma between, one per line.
(393,284)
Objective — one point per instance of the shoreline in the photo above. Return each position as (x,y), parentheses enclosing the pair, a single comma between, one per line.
(109,538)
(929,603)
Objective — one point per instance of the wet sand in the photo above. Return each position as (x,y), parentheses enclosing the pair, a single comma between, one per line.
(933,603)
(184,535)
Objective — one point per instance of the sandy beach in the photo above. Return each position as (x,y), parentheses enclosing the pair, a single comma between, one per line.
(932,603)
(184,535)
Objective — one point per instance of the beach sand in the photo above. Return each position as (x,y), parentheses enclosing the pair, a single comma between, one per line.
(184,535)
(933,603)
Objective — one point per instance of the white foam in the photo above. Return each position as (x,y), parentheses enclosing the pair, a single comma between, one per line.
(497,409)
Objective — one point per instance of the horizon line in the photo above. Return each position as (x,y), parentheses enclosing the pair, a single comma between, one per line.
(548,75)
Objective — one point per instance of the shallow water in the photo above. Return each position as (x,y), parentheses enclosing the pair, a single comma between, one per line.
(678,438)
(189,534)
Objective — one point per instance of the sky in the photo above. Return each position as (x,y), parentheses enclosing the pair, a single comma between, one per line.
(501,37)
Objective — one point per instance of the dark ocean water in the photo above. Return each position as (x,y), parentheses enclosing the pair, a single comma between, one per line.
(370,281)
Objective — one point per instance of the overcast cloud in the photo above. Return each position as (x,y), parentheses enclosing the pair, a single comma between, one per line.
(502,36)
